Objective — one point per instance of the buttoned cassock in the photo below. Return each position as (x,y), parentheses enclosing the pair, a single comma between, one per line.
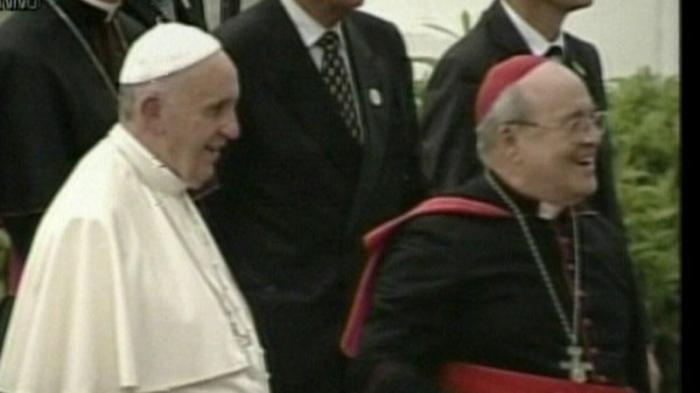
(125,290)
(454,288)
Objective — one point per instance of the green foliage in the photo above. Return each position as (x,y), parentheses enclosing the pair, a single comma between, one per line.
(644,119)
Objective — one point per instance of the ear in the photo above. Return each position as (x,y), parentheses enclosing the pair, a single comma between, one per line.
(151,109)
(509,141)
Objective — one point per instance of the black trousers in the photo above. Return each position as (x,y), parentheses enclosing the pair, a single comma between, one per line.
(302,342)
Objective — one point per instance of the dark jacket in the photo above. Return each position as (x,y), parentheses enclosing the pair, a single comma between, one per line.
(53,107)
(297,191)
(456,288)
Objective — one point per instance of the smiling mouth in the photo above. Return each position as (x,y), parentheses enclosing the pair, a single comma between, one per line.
(214,150)
(586,163)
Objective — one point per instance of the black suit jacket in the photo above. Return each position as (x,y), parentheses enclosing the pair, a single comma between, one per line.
(297,191)
(447,129)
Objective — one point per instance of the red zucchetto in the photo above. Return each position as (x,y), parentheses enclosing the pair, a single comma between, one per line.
(500,77)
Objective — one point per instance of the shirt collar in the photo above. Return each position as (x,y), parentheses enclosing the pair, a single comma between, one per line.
(529,206)
(548,211)
(309,29)
(153,172)
(109,8)
(537,43)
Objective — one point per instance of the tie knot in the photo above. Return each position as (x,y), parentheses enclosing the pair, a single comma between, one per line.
(554,52)
(329,41)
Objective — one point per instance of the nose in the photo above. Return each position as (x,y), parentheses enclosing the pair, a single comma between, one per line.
(231,130)
(593,135)
(594,127)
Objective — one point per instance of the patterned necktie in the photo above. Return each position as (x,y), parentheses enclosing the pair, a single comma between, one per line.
(335,74)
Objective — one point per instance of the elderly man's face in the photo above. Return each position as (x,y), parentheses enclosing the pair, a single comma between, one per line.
(557,146)
(200,119)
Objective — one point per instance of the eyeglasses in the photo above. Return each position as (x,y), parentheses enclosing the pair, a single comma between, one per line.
(575,125)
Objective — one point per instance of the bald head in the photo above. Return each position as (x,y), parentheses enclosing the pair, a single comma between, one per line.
(549,81)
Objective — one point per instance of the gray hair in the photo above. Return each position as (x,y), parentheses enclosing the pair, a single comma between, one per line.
(510,106)
(127,100)
(131,94)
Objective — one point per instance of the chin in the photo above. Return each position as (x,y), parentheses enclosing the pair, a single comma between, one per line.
(585,191)
(577,5)
(200,179)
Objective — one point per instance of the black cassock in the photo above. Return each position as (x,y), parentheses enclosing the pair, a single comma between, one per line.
(452,288)
(54,105)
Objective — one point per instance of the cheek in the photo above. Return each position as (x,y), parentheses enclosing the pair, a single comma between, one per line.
(546,165)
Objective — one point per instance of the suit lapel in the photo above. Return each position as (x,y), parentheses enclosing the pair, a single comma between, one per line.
(190,12)
(584,66)
(373,94)
(373,91)
(293,77)
(503,33)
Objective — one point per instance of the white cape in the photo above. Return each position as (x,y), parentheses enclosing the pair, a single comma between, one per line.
(114,298)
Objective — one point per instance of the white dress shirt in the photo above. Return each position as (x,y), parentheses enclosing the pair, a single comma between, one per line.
(537,43)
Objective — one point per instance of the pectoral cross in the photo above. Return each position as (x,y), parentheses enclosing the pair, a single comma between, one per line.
(576,366)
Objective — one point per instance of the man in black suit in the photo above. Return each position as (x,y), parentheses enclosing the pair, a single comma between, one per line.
(58,97)
(507,28)
(318,164)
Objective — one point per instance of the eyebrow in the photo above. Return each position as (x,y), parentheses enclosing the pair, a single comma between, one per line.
(579,112)
(219,103)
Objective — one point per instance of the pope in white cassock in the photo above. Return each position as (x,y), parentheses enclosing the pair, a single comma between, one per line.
(124,288)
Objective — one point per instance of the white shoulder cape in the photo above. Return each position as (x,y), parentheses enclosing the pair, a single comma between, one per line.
(111,300)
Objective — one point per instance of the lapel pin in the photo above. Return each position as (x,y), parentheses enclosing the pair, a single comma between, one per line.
(375,97)
(579,68)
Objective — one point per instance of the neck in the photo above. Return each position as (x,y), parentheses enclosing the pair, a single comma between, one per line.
(542,16)
(323,13)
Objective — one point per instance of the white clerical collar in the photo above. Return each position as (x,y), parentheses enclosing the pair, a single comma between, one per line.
(549,211)
(155,173)
(309,28)
(109,8)
(537,43)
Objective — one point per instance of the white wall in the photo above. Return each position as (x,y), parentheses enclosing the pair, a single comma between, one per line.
(629,34)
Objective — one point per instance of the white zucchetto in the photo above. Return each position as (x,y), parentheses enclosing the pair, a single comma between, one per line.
(165,49)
